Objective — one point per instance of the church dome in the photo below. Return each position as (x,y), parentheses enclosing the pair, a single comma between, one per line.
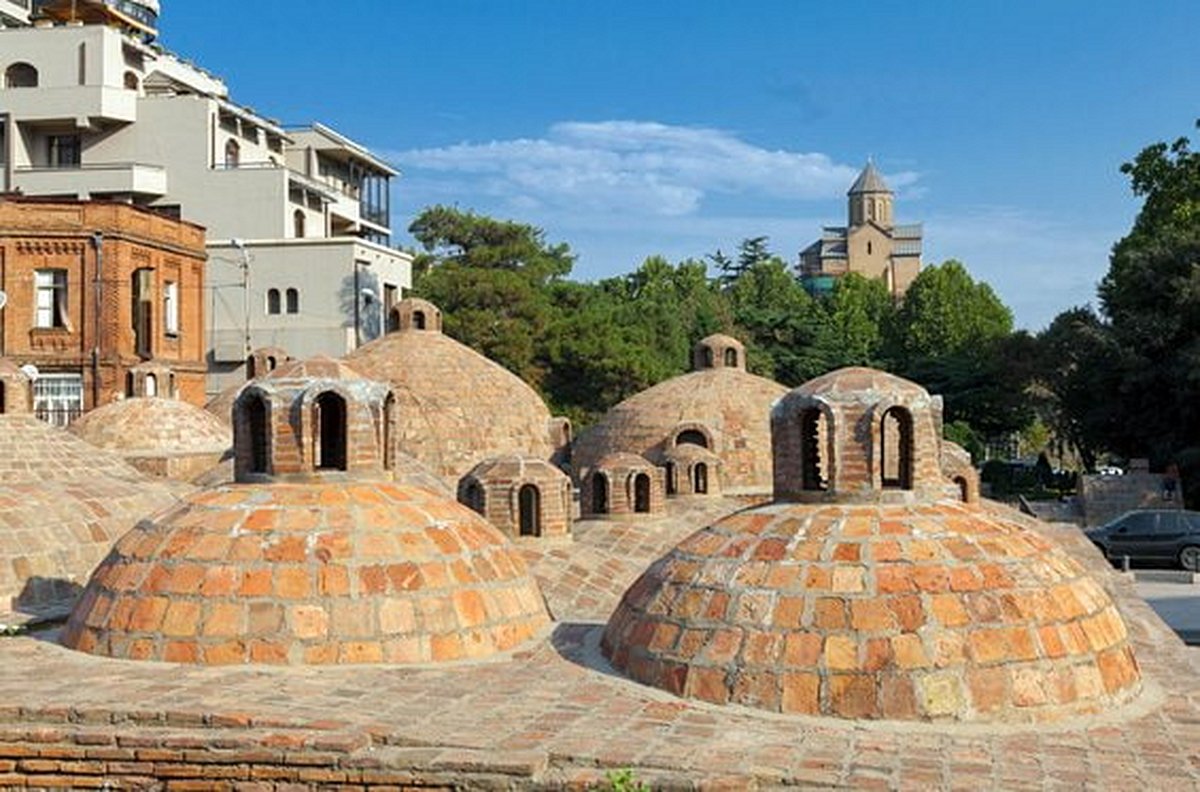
(719,406)
(847,605)
(454,407)
(158,436)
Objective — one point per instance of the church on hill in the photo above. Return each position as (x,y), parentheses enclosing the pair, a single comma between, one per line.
(871,244)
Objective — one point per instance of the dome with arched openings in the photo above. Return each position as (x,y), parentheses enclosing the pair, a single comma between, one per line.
(522,496)
(863,594)
(719,406)
(454,407)
(313,556)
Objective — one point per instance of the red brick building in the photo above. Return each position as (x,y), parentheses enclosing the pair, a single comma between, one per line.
(95,292)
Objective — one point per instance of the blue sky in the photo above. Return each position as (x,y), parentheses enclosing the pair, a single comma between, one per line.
(633,128)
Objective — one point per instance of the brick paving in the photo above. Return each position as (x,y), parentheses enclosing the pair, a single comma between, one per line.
(554,715)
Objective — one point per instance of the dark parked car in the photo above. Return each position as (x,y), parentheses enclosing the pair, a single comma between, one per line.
(1152,535)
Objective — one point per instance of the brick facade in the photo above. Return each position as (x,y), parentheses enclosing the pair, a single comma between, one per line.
(97,247)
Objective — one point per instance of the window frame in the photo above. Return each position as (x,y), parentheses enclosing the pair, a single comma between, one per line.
(54,315)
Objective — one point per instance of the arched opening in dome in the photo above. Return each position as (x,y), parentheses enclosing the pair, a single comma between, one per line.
(599,493)
(418,320)
(3,404)
(529,505)
(896,448)
(271,363)
(151,385)
(731,358)
(393,320)
(963,489)
(473,497)
(708,357)
(251,368)
(256,427)
(129,384)
(171,385)
(812,467)
(330,419)
(692,437)
(641,493)
(389,421)
(670,472)
(700,478)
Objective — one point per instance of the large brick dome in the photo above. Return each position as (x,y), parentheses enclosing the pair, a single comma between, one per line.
(315,555)
(63,503)
(718,405)
(159,436)
(337,572)
(454,407)
(880,598)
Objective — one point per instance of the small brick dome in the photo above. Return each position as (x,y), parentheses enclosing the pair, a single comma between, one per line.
(314,573)
(275,362)
(622,484)
(16,391)
(158,436)
(520,495)
(62,504)
(719,405)
(690,469)
(835,600)
(454,407)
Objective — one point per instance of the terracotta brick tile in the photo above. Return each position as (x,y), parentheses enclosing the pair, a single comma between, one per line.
(220,581)
(322,654)
(255,583)
(292,582)
(373,579)
(788,612)
(948,610)
(894,578)
(852,695)
(940,693)
(770,550)
(185,578)
(406,650)
(848,579)
(223,619)
(664,637)
(898,698)
(724,646)
(447,646)
(761,648)
(370,652)
(871,615)
(886,551)
(989,645)
(988,688)
(225,653)
(909,611)
(756,689)
(802,649)
(147,614)
(404,576)
(1022,643)
(707,684)
(829,613)
(909,651)
(181,652)
(841,653)
(847,552)
(181,619)
(354,618)
(212,547)
(1029,687)
(818,578)
(949,648)
(878,655)
(983,608)
(308,621)
(1051,641)
(291,549)
(272,652)
(397,616)
(931,578)
(801,693)
(965,579)
(1117,669)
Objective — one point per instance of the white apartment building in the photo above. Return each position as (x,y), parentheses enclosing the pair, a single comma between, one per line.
(297,219)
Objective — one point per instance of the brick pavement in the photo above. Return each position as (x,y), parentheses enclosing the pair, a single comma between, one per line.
(552,715)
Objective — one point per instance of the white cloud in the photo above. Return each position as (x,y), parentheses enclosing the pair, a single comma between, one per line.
(628,168)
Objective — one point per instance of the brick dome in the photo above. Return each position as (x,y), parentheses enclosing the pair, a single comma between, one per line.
(338,572)
(63,503)
(275,362)
(925,608)
(158,436)
(622,484)
(314,555)
(454,407)
(719,406)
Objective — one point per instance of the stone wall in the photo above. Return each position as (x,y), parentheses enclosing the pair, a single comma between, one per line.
(1104,498)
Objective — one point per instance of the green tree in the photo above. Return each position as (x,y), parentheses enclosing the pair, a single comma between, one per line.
(945,312)
(860,312)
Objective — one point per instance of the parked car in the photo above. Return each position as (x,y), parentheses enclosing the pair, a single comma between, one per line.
(1152,535)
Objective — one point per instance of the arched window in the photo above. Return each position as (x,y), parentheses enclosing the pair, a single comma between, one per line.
(708,357)
(731,358)
(700,478)
(641,493)
(273,305)
(3,408)
(251,373)
(811,473)
(868,247)
(529,505)
(129,384)
(963,492)
(293,301)
(131,81)
(896,448)
(473,497)
(671,489)
(233,154)
(151,386)
(691,437)
(256,425)
(330,421)
(270,363)
(21,75)
(599,493)
(393,320)
(298,224)
(418,320)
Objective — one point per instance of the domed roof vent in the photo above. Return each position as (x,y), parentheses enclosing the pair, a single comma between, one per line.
(858,435)
(413,313)
(718,351)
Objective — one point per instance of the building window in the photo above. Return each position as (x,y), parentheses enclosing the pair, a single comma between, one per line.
(64,151)
(151,386)
(171,308)
(641,493)
(51,298)
(131,81)
(233,154)
(58,398)
(273,301)
(142,310)
(298,224)
(529,506)
(293,301)
(599,494)
(21,75)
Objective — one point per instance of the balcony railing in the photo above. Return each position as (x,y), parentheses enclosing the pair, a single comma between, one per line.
(88,178)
